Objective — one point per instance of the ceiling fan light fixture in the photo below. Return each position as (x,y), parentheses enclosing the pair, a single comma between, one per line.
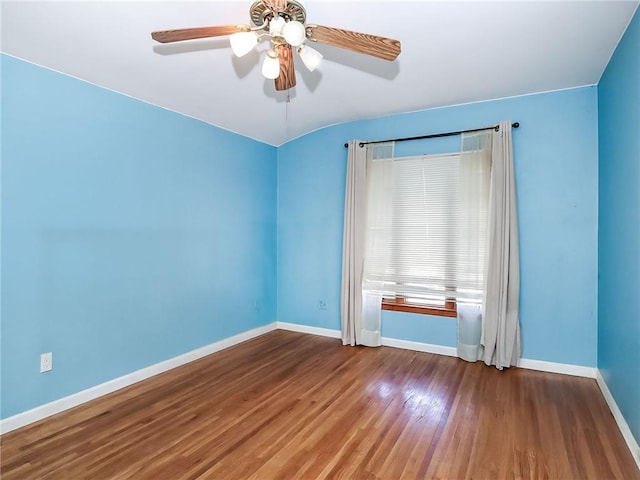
(271,65)
(294,33)
(243,42)
(309,56)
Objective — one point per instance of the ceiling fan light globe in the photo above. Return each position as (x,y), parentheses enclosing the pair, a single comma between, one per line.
(294,33)
(271,66)
(310,57)
(243,42)
(276,25)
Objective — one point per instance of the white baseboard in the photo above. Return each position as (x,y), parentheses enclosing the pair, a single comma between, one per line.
(553,367)
(419,347)
(322,332)
(543,366)
(550,367)
(633,445)
(57,406)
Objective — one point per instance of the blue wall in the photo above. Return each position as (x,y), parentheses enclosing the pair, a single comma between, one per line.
(619,226)
(133,234)
(556,157)
(130,234)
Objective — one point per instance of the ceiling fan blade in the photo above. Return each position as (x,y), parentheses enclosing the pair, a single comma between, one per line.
(287,77)
(381,47)
(168,36)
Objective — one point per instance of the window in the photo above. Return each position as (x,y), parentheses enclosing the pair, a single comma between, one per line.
(426,231)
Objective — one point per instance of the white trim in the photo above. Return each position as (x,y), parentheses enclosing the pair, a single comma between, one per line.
(38,413)
(296,327)
(419,347)
(619,418)
(543,366)
(553,367)
(388,342)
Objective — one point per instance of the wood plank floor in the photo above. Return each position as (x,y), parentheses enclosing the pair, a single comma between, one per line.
(287,405)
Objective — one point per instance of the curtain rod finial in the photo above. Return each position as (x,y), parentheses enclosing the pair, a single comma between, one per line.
(515,124)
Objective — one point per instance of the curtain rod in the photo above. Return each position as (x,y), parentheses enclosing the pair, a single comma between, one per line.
(435,135)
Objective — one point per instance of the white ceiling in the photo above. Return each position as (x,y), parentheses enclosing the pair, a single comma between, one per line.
(452,53)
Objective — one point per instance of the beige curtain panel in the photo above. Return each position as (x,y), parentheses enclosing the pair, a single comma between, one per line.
(501,322)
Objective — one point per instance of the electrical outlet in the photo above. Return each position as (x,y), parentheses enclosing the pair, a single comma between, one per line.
(46,362)
(322,304)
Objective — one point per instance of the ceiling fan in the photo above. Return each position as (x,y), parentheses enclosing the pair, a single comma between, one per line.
(283,22)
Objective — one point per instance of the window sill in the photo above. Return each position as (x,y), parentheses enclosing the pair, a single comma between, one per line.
(399,305)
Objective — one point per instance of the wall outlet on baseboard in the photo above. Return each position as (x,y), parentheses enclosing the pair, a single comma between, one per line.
(46,362)
(322,304)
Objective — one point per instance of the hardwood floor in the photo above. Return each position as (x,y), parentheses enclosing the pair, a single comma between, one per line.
(287,405)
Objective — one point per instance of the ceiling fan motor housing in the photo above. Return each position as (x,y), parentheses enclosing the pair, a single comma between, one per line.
(261,13)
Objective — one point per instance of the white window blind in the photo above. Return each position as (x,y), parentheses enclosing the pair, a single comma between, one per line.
(426,226)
